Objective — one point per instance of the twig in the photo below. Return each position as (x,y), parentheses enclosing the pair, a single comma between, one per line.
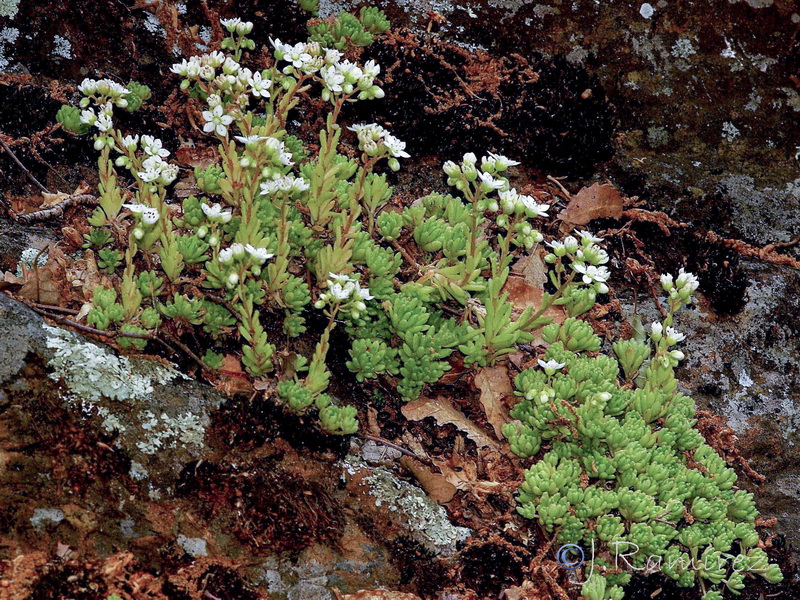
(21,166)
(405,254)
(561,187)
(69,311)
(400,449)
(118,334)
(210,596)
(58,210)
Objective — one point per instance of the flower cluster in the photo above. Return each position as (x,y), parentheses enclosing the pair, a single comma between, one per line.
(585,259)
(343,289)
(377,142)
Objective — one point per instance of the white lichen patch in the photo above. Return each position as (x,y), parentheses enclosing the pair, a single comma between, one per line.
(62,47)
(729,131)
(195,547)
(164,431)
(683,49)
(8,35)
(44,516)
(9,8)
(30,256)
(92,372)
(425,520)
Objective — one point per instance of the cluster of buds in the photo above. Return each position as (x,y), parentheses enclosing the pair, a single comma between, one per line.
(681,288)
(344,291)
(238,258)
(377,142)
(459,176)
(103,91)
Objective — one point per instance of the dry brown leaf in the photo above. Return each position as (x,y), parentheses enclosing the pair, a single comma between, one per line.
(91,275)
(595,202)
(192,156)
(522,295)
(434,484)
(9,280)
(444,412)
(40,287)
(232,379)
(494,384)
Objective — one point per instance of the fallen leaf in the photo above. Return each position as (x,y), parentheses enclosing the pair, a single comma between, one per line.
(494,384)
(51,200)
(434,484)
(40,287)
(91,275)
(444,412)
(9,280)
(72,236)
(595,202)
(232,379)
(193,156)
(522,295)
(456,474)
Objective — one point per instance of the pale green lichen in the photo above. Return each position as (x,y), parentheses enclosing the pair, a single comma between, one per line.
(9,8)
(92,372)
(187,428)
(426,521)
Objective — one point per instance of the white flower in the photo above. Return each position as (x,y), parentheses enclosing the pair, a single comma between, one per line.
(297,55)
(592,274)
(332,79)
(87,87)
(667,282)
(280,46)
(258,85)
(490,183)
(470,158)
(88,117)
(225,255)
(230,24)
(363,293)
(168,173)
(237,249)
(216,121)
(396,148)
(259,254)
(152,146)
(533,208)
(503,162)
(130,142)
(371,68)
(332,56)
(288,183)
(250,139)
(340,292)
(181,68)
(657,329)
(150,215)
(339,277)
(687,281)
(674,336)
(587,238)
(552,365)
(136,209)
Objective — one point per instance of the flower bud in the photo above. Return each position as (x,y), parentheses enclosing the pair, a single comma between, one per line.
(99,144)
(202,232)
(233,279)
(319,304)
(213,240)
(138,233)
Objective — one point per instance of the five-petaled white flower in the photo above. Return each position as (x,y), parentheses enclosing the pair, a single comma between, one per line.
(339,277)
(332,79)
(215,212)
(395,147)
(250,139)
(502,161)
(136,209)
(592,274)
(217,121)
(153,146)
(259,254)
(588,238)
(340,292)
(490,183)
(150,215)
(552,365)
(687,281)
(674,336)
(258,85)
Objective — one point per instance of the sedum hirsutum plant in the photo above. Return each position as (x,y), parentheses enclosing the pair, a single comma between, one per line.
(621,467)
(282,230)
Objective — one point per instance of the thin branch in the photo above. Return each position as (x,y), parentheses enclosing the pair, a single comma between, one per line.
(119,334)
(380,440)
(58,210)
(21,166)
